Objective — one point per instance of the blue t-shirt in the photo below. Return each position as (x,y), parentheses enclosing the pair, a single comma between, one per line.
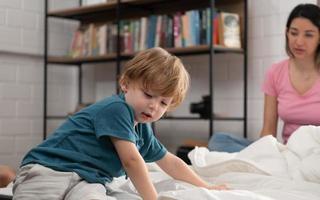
(82,143)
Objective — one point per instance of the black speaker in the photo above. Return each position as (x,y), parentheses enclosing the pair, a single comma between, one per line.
(182,153)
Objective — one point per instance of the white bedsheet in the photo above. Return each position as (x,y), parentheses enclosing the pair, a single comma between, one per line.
(245,186)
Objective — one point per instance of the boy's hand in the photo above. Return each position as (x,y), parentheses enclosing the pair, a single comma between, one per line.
(178,169)
(218,187)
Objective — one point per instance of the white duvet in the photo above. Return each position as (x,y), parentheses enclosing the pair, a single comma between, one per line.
(298,160)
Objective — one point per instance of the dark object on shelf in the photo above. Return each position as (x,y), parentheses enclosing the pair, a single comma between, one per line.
(202,107)
(187,146)
(182,153)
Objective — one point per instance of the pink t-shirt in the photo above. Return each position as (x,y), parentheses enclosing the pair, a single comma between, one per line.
(294,109)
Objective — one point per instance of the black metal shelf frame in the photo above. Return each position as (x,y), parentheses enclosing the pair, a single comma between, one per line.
(117,7)
(46,63)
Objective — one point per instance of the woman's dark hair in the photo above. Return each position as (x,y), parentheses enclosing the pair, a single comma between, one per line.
(307,11)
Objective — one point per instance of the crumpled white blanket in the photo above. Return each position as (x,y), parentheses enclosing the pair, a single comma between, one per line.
(299,159)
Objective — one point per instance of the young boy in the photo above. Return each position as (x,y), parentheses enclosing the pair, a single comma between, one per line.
(111,138)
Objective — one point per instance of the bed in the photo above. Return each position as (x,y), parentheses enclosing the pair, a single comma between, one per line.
(266,170)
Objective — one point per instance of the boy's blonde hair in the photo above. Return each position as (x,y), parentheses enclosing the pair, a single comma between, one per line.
(157,70)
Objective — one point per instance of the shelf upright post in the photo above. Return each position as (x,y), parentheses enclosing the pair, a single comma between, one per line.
(211,84)
(45,69)
(245,69)
(80,74)
(118,60)
(80,83)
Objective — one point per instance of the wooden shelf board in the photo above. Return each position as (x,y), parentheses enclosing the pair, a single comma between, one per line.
(90,59)
(83,10)
(201,49)
(106,11)
(133,9)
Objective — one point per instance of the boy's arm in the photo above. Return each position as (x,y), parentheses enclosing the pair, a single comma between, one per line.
(179,170)
(135,167)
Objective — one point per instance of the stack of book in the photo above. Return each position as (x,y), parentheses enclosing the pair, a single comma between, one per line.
(191,28)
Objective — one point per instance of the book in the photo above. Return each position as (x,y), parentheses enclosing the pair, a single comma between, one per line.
(76,46)
(194,27)
(127,37)
(158,31)
(169,33)
(143,33)
(203,27)
(186,39)
(151,34)
(177,30)
(94,40)
(102,39)
(136,35)
(230,30)
(217,31)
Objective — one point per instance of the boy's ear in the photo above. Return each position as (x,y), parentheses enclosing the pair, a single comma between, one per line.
(124,85)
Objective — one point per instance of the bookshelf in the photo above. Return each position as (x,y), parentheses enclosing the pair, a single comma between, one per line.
(116,11)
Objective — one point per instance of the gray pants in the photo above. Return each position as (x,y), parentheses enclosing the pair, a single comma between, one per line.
(38,182)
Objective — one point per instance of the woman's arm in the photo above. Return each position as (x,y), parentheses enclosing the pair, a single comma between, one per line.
(135,167)
(270,116)
(179,170)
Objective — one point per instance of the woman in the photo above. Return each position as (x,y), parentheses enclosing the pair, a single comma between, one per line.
(292,86)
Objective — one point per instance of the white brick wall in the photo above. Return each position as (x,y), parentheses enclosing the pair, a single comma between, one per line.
(21,75)
(18,22)
(20,105)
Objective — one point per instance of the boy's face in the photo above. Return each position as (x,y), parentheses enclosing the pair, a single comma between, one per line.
(147,106)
